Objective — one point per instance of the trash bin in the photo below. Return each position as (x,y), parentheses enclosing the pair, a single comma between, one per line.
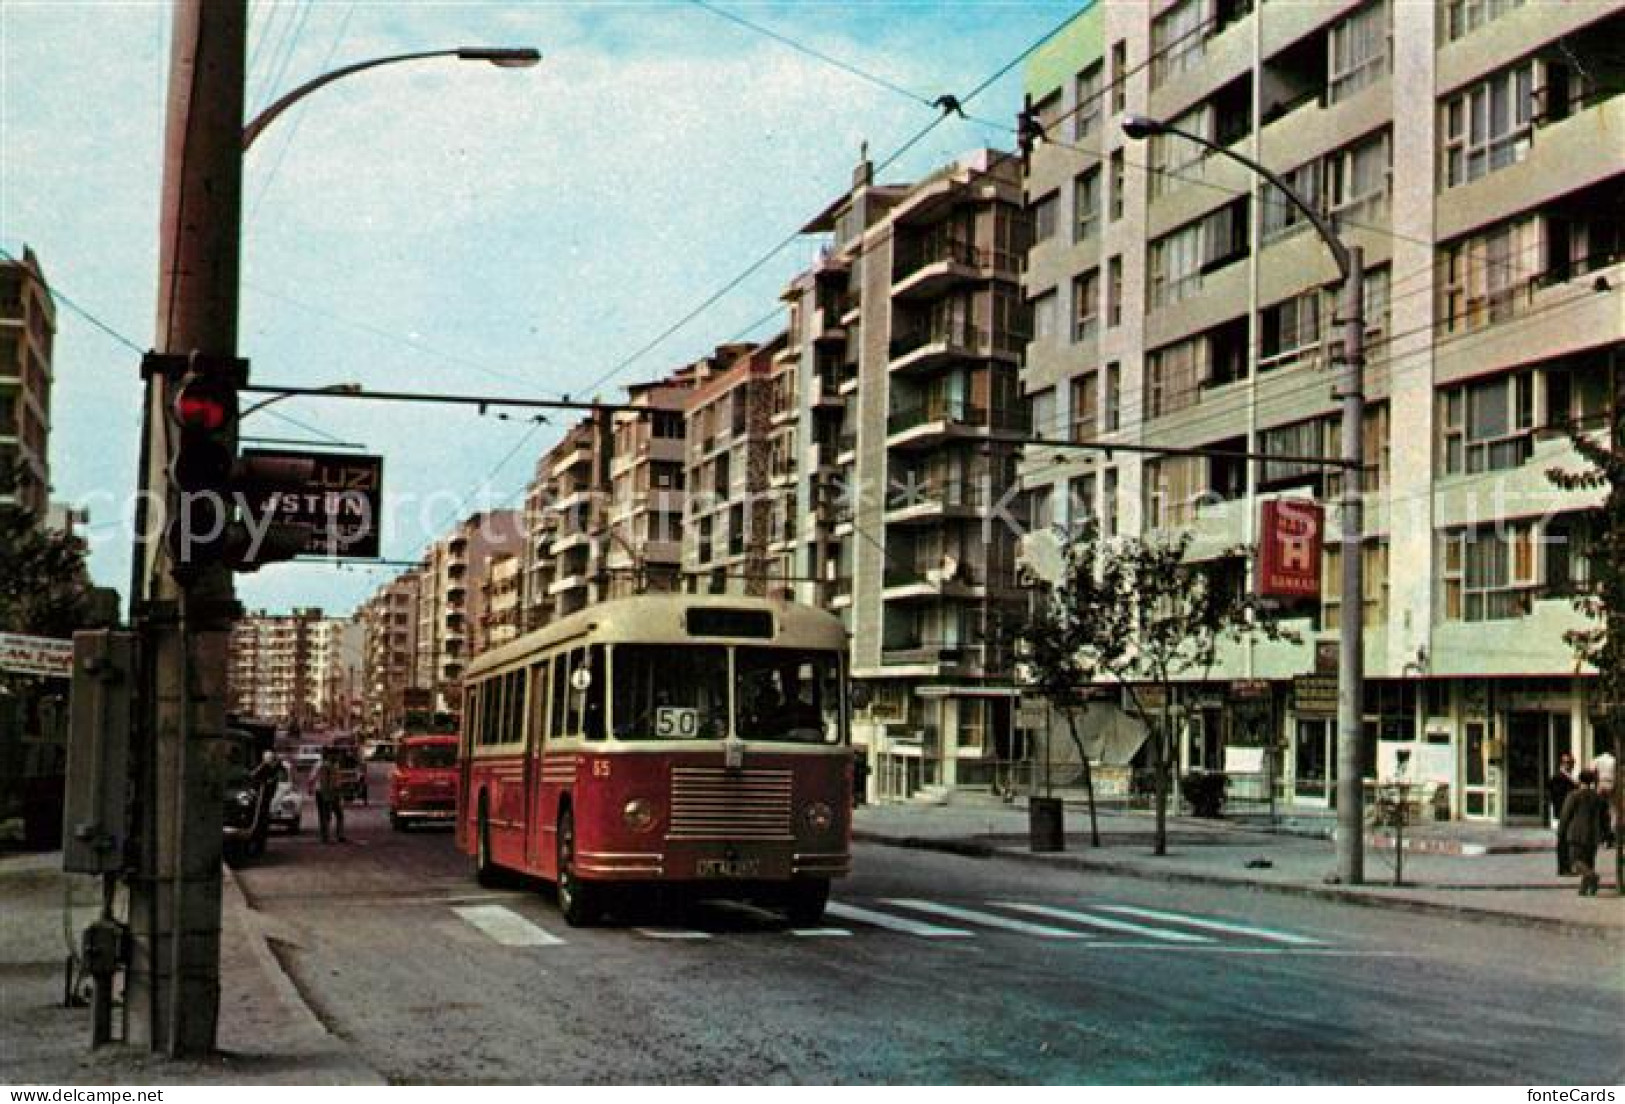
(1045,827)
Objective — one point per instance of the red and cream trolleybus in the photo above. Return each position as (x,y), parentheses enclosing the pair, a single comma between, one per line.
(663,739)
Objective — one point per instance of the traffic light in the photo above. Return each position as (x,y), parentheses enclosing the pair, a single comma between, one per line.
(208,522)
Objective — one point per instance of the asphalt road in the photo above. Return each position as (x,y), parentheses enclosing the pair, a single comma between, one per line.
(1052,976)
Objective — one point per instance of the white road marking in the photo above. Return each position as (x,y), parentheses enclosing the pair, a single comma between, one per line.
(671,933)
(819,933)
(1103,922)
(1216,925)
(1231,948)
(894,923)
(743,908)
(507,927)
(986,919)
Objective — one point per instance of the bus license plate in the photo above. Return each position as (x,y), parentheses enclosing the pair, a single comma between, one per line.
(726,868)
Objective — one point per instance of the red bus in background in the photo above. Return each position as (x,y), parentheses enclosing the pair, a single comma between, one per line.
(663,739)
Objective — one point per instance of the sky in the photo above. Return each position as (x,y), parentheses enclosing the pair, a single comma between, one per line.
(455,227)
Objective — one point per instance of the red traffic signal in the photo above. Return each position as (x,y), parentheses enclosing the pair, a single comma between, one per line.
(204,404)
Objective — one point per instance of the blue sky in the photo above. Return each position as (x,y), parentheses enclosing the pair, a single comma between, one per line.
(454,227)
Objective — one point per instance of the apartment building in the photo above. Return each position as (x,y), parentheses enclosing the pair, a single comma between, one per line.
(740,431)
(1471,148)
(502,601)
(451,600)
(27,331)
(909,331)
(275,667)
(641,538)
(389,620)
(563,508)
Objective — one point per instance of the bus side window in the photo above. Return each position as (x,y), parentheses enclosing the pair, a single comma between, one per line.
(561,695)
(538,704)
(471,720)
(572,719)
(514,715)
(593,699)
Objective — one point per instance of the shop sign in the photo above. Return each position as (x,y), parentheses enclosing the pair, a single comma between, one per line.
(1290,534)
(1314,696)
(36,655)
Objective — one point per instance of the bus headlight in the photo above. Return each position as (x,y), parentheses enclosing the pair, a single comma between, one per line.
(819,817)
(639,814)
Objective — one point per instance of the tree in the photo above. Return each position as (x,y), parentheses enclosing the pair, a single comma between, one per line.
(44,590)
(1136,612)
(1600,596)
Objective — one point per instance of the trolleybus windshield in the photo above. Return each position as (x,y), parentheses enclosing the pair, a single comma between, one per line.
(781,694)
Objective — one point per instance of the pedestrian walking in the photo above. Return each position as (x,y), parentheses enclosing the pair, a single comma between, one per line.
(1605,768)
(1581,826)
(324,783)
(1558,788)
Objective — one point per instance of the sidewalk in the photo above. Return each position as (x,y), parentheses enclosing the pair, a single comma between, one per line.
(267,1036)
(1466,871)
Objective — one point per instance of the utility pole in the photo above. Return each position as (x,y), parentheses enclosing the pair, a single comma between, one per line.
(173,988)
(1351,626)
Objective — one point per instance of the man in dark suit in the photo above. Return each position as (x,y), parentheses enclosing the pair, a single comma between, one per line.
(1581,825)
(1558,788)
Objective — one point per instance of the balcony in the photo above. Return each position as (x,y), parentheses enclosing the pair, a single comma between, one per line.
(846,448)
(919,498)
(824,325)
(925,269)
(940,420)
(919,348)
(826,389)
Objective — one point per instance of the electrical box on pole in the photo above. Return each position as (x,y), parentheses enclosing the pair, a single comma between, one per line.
(96,806)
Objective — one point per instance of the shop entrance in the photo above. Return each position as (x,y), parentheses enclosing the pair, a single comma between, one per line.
(1535,740)
(1312,756)
(1479,774)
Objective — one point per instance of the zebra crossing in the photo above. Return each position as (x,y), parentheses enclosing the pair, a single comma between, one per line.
(1085,925)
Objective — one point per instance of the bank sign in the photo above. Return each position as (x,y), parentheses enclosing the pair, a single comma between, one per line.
(341,501)
(1290,534)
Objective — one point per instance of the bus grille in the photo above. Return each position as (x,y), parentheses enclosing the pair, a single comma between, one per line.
(708,803)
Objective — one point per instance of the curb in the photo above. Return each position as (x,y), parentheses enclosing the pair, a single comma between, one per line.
(971,849)
(284,990)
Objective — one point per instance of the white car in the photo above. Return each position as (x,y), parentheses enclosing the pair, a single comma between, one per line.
(288,803)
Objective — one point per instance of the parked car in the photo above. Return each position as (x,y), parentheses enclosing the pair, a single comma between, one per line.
(424,787)
(288,802)
(246,802)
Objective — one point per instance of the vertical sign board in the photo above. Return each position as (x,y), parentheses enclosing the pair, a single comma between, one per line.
(1290,535)
(341,502)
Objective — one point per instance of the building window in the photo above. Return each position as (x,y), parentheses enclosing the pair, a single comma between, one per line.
(1463,17)
(1174,376)
(1119,77)
(1081,499)
(1108,502)
(1041,507)
(1314,437)
(1117,183)
(1173,490)
(1044,211)
(1088,109)
(1176,41)
(1086,205)
(1358,179)
(1176,265)
(1488,126)
(1482,275)
(1176,159)
(1044,316)
(1086,305)
(1114,292)
(1112,407)
(1358,47)
(1488,425)
(1085,407)
(668,424)
(1374,585)
(1289,332)
(1489,573)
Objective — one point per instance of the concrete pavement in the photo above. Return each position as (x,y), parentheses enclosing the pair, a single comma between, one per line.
(1463,870)
(267,1035)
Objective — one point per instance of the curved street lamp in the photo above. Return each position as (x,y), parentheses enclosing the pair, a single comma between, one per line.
(330,389)
(503,57)
(1351,642)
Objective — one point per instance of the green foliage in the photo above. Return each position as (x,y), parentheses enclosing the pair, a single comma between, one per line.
(43,586)
(1601,597)
(1133,612)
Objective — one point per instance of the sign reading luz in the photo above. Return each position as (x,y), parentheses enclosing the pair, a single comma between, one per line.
(342,502)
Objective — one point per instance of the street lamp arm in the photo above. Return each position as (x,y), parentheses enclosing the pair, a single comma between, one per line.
(506,58)
(1340,251)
